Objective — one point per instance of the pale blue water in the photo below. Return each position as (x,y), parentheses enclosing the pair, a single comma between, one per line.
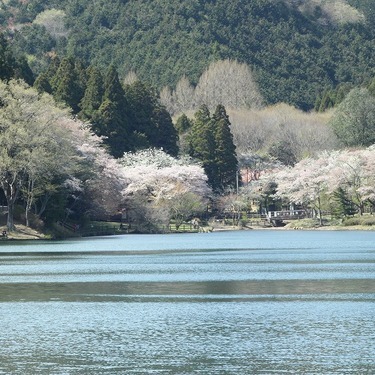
(255,302)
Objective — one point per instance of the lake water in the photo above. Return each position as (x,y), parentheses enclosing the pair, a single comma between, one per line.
(252,302)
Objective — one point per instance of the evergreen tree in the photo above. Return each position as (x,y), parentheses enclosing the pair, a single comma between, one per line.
(12,67)
(151,123)
(371,87)
(211,142)
(354,119)
(52,68)
(166,133)
(142,102)
(7,60)
(42,84)
(93,96)
(66,86)
(225,151)
(342,205)
(202,144)
(22,70)
(111,118)
(183,124)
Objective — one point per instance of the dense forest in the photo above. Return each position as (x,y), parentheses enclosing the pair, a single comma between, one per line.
(297,49)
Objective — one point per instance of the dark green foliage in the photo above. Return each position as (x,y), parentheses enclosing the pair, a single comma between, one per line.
(12,66)
(282,151)
(342,206)
(111,119)
(128,121)
(202,143)
(66,84)
(183,124)
(211,142)
(166,133)
(22,70)
(225,150)
(151,123)
(332,98)
(7,61)
(42,84)
(93,96)
(294,54)
(371,87)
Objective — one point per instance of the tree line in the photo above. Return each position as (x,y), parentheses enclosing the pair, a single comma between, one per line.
(129,117)
(74,148)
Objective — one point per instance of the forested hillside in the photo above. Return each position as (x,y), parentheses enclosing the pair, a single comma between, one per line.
(297,49)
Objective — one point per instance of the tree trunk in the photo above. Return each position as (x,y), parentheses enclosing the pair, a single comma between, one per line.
(320,212)
(29,201)
(11,194)
(10,218)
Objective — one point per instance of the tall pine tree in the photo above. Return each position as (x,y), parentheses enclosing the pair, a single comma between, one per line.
(111,119)
(66,84)
(225,151)
(211,142)
(93,96)
(202,144)
(151,123)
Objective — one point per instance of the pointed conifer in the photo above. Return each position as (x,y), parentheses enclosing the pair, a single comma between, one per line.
(93,96)
(42,84)
(65,84)
(166,133)
(202,143)
(151,122)
(111,118)
(225,150)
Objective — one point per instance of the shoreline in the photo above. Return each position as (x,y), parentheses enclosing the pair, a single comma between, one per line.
(24,233)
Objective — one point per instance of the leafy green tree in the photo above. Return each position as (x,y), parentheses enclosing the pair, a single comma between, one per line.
(294,47)
(12,66)
(33,148)
(354,119)
(22,70)
(211,142)
(371,87)
(166,133)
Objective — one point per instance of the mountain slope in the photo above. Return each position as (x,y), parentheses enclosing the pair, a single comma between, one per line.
(295,51)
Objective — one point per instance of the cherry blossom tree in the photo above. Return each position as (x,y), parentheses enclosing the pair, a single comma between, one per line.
(353,170)
(305,183)
(313,179)
(160,187)
(100,179)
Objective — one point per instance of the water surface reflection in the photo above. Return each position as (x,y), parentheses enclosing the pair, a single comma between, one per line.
(225,303)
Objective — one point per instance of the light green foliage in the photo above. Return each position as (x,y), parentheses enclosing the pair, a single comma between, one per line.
(54,22)
(354,119)
(33,149)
